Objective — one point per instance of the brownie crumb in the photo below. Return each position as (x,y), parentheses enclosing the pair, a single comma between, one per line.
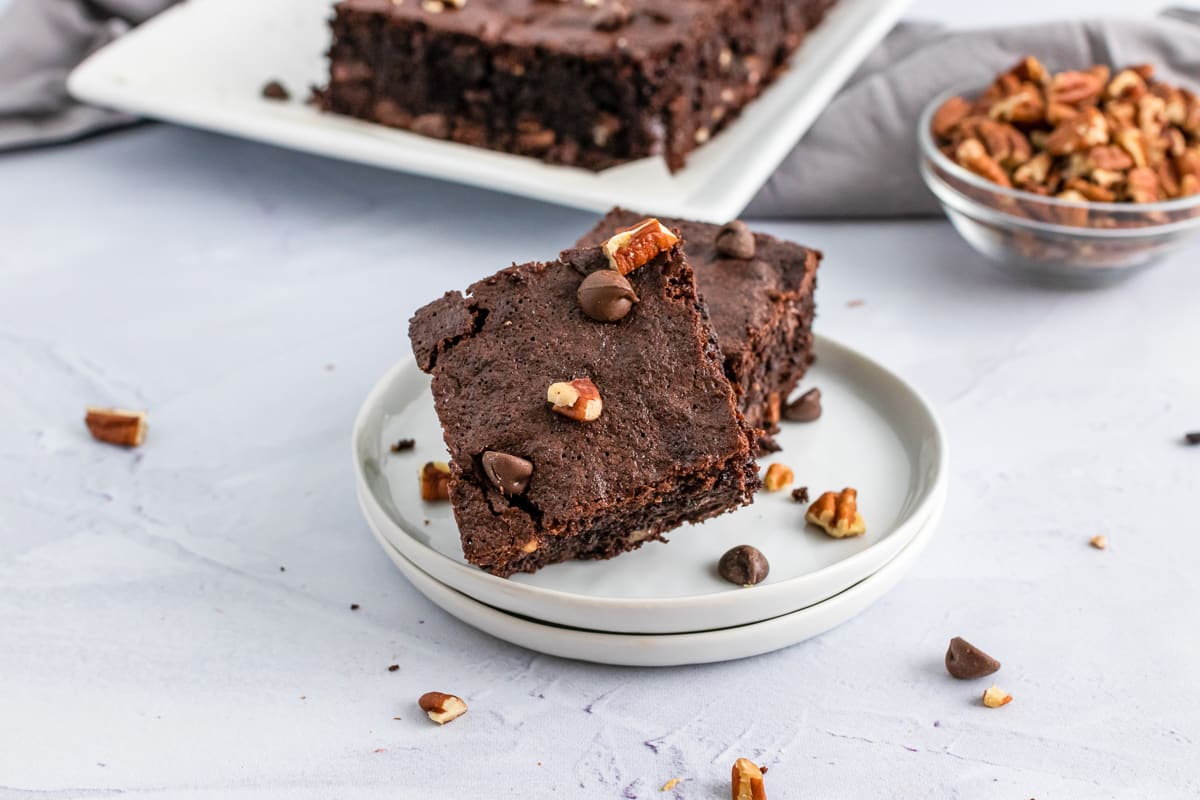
(767,444)
(393,667)
(1192,438)
(354,606)
(283,569)
(403,445)
(274,90)
(800,495)
(855,303)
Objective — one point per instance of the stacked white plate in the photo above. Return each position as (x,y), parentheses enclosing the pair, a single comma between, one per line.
(665,604)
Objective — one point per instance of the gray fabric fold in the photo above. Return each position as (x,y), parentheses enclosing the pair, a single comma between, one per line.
(860,157)
(858,160)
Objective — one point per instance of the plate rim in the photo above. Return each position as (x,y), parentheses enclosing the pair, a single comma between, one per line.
(737,176)
(641,647)
(492,586)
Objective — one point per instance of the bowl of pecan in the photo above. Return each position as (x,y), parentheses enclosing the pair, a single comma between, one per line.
(1082,176)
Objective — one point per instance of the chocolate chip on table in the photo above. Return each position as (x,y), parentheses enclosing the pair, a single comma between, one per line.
(805,408)
(354,606)
(965,661)
(735,240)
(403,445)
(606,296)
(393,668)
(743,565)
(1192,438)
(510,474)
(800,495)
(274,90)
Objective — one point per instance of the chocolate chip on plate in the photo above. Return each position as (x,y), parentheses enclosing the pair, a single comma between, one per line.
(735,240)
(509,473)
(743,565)
(274,90)
(965,661)
(805,408)
(606,296)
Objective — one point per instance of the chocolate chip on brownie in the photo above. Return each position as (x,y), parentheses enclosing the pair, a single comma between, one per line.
(606,296)
(735,240)
(510,474)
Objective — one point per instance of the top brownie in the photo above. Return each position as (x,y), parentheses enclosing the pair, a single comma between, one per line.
(762,307)
(591,83)
(668,447)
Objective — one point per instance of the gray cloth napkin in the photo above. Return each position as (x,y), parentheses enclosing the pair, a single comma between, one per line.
(860,157)
(858,160)
(40,42)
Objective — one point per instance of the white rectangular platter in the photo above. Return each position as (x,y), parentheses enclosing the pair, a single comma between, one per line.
(203,64)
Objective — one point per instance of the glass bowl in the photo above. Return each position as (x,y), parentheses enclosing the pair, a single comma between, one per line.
(1060,241)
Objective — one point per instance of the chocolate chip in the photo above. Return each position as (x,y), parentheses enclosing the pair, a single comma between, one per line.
(509,473)
(805,408)
(965,661)
(403,445)
(743,565)
(276,91)
(393,667)
(354,606)
(606,296)
(1192,438)
(800,495)
(735,241)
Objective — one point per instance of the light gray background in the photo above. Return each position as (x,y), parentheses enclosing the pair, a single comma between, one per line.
(249,297)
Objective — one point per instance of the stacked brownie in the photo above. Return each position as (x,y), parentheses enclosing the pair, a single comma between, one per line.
(582,436)
(759,293)
(587,403)
(590,83)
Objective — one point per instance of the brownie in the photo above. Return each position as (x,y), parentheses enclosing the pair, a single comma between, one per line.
(668,447)
(761,307)
(590,83)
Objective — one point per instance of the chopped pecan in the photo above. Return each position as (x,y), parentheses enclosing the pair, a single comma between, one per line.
(949,115)
(1143,185)
(118,426)
(972,155)
(1073,88)
(632,248)
(837,514)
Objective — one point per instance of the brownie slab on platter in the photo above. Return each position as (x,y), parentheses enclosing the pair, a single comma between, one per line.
(759,293)
(589,83)
(584,405)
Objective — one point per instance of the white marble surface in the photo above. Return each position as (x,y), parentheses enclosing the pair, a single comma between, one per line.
(151,646)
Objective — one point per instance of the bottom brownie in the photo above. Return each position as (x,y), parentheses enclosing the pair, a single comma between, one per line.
(668,446)
(760,296)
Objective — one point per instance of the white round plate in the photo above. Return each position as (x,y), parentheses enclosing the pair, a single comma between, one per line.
(876,434)
(671,649)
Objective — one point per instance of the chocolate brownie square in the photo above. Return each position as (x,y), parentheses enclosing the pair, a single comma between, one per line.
(664,443)
(759,292)
(590,83)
